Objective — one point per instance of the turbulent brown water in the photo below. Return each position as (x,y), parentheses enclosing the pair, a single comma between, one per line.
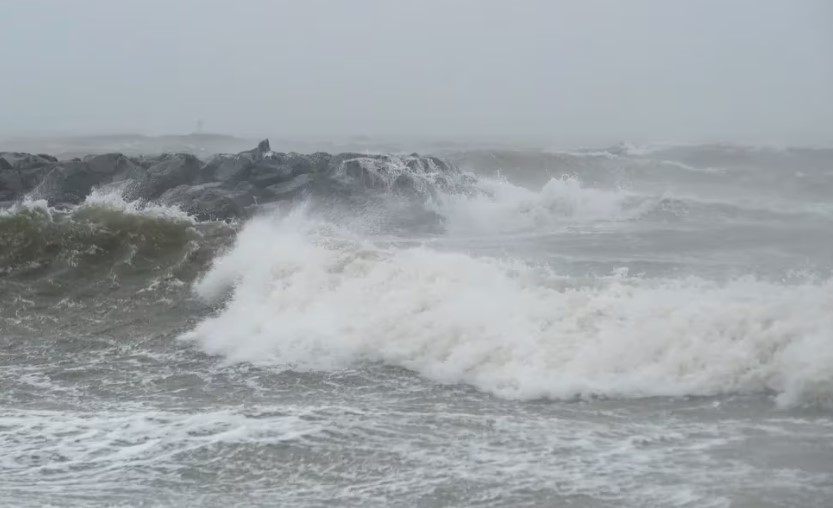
(613,328)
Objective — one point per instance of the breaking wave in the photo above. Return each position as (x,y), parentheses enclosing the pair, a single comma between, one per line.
(311,286)
(500,206)
(303,294)
(102,233)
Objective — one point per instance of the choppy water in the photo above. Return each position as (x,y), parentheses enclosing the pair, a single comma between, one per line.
(590,329)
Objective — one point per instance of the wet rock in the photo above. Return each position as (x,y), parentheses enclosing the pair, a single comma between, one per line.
(226,185)
(117,165)
(210,201)
(228,168)
(174,170)
(290,189)
(334,165)
(23,161)
(72,181)
(269,172)
(11,188)
(146,161)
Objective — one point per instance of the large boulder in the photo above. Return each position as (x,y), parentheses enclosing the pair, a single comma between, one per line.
(117,165)
(230,169)
(60,182)
(146,161)
(274,168)
(289,189)
(334,165)
(11,187)
(172,171)
(269,171)
(23,161)
(21,172)
(259,165)
(210,201)
(72,181)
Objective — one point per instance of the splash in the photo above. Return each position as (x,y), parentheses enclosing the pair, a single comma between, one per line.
(306,295)
(500,206)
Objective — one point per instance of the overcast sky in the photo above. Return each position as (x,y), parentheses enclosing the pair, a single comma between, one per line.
(572,72)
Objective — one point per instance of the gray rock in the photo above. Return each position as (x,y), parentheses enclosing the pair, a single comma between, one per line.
(210,201)
(229,169)
(71,182)
(146,161)
(269,172)
(336,161)
(173,171)
(11,187)
(226,185)
(117,165)
(21,160)
(290,189)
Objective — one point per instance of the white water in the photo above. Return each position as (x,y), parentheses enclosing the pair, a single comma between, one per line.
(108,198)
(520,298)
(503,207)
(307,295)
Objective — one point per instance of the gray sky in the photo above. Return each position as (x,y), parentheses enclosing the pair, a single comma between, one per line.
(567,72)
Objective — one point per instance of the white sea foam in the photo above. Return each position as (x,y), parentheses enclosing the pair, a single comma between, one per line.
(305,295)
(112,198)
(501,206)
(27,204)
(109,198)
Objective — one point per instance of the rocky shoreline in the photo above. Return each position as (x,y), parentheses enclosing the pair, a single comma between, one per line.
(225,186)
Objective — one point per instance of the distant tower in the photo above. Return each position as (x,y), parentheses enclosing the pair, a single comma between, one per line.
(199,126)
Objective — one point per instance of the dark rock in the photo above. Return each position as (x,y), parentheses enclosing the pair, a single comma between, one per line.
(20,160)
(210,201)
(270,171)
(261,161)
(117,165)
(367,172)
(320,161)
(441,165)
(11,187)
(71,182)
(229,169)
(16,182)
(146,161)
(290,189)
(303,164)
(335,163)
(174,170)
(227,185)
(31,177)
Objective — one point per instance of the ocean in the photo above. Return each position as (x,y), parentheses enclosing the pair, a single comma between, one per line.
(624,327)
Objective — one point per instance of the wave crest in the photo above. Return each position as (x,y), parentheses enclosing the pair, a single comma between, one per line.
(304,295)
(500,206)
(102,232)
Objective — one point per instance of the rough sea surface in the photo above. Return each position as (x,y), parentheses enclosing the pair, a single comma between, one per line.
(615,328)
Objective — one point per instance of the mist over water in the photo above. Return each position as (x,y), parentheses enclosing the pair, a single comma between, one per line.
(532,253)
(544,72)
(617,327)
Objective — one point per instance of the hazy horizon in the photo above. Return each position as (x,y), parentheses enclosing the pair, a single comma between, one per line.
(556,73)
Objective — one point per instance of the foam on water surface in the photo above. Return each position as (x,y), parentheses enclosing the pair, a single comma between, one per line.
(303,295)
